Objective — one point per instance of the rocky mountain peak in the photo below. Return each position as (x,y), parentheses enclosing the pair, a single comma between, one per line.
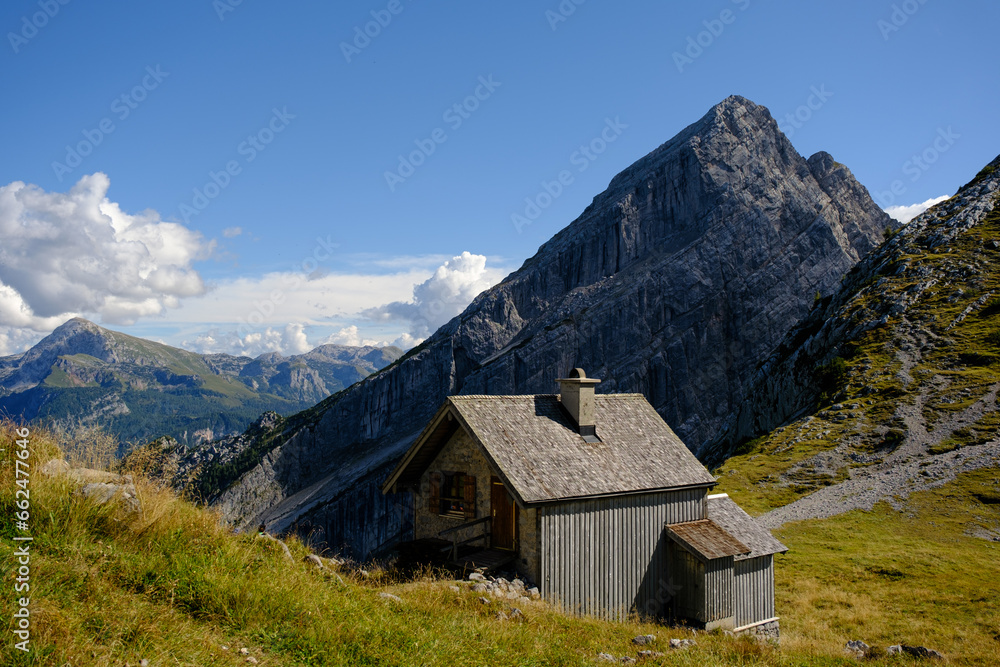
(75,336)
(675,281)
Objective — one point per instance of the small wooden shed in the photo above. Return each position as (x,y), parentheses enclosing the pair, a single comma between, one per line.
(727,562)
(588,495)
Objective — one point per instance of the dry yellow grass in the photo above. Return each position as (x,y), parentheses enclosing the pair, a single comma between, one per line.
(174,586)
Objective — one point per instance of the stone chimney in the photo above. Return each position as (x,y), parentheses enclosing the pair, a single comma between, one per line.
(577,396)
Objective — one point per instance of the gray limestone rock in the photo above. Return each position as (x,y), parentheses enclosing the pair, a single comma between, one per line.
(674,283)
(103,492)
(784,385)
(54,467)
(857,646)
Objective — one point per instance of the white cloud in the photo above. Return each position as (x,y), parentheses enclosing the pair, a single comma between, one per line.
(232,232)
(274,299)
(288,341)
(16,341)
(406,341)
(78,252)
(350,336)
(353,337)
(442,296)
(904,214)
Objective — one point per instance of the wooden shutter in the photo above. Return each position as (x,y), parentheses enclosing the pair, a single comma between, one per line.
(470,497)
(434,504)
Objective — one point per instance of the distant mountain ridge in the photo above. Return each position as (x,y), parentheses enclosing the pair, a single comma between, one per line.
(141,390)
(675,282)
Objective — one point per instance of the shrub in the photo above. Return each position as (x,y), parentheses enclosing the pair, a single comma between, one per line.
(830,378)
(893,439)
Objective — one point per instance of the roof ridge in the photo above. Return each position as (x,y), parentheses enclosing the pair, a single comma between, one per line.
(629,395)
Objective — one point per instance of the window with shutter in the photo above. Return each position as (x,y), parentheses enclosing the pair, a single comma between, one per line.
(470,497)
(458,495)
(434,504)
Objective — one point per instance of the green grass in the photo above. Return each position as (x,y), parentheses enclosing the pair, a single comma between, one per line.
(955,369)
(887,577)
(59,378)
(174,587)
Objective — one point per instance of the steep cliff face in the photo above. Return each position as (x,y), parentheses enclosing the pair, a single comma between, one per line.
(921,300)
(675,282)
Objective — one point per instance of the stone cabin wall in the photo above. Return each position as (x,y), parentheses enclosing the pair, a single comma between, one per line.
(461,454)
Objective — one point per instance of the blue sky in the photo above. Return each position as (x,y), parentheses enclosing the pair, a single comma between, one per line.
(214,175)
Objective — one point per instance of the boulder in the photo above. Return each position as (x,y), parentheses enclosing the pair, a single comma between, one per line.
(921,652)
(103,492)
(856,646)
(54,467)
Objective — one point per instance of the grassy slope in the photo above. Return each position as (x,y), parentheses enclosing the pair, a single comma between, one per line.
(915,575)
(952,365)
(886,577)
(174,587)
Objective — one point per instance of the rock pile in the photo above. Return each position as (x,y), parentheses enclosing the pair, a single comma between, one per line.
(97,485)
(514,590)
(862,650)
(645,654)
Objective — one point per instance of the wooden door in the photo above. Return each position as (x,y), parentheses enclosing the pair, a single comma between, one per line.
(504,516)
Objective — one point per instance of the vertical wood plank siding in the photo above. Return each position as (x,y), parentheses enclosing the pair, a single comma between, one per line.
(718,590)
(689,575)
(754,590)
(607,556)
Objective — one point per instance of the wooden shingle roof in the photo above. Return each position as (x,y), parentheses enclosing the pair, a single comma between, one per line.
(731,517)
(535,446)
(706,540)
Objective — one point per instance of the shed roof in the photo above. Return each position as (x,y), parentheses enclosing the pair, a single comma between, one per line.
(731,517)
(706,540)
(535,447)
